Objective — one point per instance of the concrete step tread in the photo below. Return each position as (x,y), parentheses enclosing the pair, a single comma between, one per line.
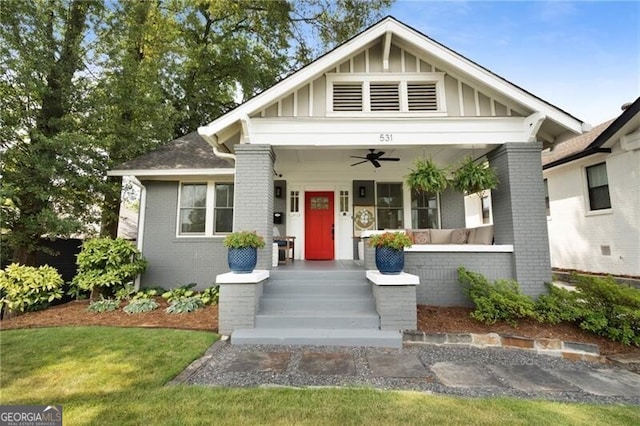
(319,314)
(318,336)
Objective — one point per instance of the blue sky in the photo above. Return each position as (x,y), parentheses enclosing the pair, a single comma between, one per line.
(582,56)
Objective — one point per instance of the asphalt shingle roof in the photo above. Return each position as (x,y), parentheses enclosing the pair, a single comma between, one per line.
(574,145)
(190,151)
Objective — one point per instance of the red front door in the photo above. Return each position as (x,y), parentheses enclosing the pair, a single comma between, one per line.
(318,225)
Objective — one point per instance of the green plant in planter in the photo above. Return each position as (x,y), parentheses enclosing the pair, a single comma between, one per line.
(427,176)
(242,239)
(394,240)
(473,177)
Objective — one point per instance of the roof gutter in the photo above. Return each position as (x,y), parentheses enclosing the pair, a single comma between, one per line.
(213,141)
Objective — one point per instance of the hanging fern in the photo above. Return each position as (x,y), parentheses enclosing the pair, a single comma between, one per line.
(473,177)
(427,176)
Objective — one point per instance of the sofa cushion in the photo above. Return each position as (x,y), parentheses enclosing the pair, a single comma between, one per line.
(459,236)
(440,236)
(482,235)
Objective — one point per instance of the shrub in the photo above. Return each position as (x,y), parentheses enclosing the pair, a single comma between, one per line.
(180,292)
(24,288)
(610,309)
(501,300)
(210,296)
(559,305)
(105,263)
(138,306)
(184,305)
(103,305)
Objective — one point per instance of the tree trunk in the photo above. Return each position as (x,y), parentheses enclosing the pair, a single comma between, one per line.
(111,208)
(23,256)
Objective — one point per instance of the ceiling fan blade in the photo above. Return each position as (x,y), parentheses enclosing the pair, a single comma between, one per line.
(379,154)
(375,163)
(389,159)
(359,162)
(362,158)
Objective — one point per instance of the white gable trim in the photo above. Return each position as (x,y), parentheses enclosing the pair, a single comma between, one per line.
(171,172)
(391,26)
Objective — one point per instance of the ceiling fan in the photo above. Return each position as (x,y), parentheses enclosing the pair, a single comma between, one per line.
(374,158)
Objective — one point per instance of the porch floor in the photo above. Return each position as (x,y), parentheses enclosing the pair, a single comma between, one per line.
(321,265)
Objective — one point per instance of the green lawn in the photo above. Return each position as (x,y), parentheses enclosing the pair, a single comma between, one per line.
(105,375)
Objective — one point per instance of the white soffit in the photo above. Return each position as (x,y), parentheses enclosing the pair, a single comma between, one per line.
(422,43)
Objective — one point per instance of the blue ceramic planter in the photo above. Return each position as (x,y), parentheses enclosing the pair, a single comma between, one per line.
(389,261)
(242,260)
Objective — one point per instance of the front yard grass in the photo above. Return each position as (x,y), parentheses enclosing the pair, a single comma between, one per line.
(104,375)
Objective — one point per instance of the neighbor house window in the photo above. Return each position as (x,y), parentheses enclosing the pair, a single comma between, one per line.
(598,185)
(193,208)
(390,214)
(424,210)
(223,212)
(546,197)
(205,208)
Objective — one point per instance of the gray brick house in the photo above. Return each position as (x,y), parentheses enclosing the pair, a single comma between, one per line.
(314,157)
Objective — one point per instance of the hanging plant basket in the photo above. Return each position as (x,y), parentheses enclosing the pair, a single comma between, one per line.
(427,176)
(473,177)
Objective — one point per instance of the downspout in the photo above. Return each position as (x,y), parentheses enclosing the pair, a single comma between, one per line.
(141,216)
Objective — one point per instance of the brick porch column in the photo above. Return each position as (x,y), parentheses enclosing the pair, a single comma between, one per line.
(253,204)
(519,216)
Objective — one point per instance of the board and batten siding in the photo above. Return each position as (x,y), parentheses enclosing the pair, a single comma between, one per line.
(462,98)
(601,241)
(175,261)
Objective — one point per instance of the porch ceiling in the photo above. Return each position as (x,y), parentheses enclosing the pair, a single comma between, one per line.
(339,157)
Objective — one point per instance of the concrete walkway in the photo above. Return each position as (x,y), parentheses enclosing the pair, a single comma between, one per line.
(469,371)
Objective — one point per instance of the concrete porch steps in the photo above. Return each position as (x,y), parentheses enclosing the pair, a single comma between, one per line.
(326,308)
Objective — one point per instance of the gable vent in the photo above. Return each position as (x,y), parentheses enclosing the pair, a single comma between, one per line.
(422,97)
(347,97)
(384,97)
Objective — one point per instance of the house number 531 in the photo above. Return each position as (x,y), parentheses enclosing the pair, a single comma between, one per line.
(386,137)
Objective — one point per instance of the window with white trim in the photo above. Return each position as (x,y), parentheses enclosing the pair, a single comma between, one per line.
(424,210)
(193,208)
(223,211)
(598,187)
(389,203)
(294,204)
(386,93)
(344,201)
(205,208)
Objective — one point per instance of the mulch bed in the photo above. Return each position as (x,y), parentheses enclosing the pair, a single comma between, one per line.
(431,319)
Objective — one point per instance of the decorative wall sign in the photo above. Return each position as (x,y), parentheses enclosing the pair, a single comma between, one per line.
(364,219)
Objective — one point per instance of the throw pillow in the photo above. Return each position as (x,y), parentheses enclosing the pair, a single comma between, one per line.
(422,236)
(459,236)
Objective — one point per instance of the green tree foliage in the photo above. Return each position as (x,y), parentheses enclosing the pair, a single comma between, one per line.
(86,85)
(51,171)
(105,263)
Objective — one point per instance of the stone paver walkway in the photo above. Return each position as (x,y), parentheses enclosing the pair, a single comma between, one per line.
(459,371)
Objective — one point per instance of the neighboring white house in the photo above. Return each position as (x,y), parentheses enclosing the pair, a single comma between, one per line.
(593,198)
